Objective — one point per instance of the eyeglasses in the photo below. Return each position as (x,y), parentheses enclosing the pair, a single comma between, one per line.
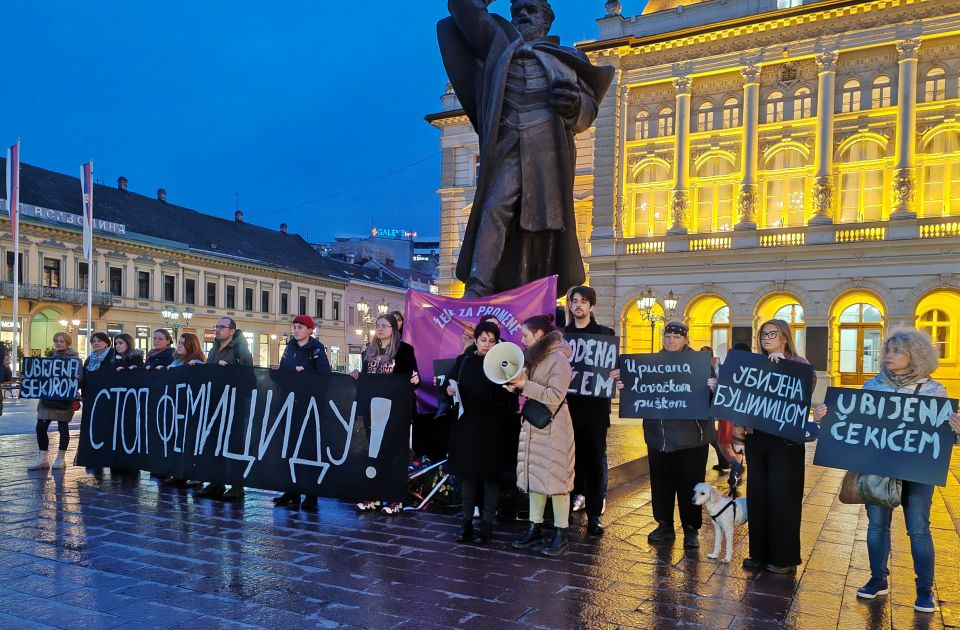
(220,326)
(773,334)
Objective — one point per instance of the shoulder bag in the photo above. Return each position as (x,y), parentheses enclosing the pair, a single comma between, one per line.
(538,414)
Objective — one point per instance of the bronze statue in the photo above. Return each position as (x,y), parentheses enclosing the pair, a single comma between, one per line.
(526,96)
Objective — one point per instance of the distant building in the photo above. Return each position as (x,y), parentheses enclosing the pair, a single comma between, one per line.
(401,254)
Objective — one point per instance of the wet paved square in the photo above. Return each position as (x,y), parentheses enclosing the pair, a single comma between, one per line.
(79,550)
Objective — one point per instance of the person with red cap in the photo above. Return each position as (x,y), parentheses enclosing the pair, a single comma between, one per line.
(304,353)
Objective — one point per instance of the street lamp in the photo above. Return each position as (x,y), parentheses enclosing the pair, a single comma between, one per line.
(646,304)
(171,318)
(382,307)
(69,326)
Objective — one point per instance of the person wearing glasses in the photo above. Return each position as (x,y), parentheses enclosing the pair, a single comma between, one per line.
(229,349)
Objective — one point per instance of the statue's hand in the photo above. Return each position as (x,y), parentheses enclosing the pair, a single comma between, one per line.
(565,97)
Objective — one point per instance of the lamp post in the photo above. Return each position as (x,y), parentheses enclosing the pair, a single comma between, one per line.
(171,318)
(645,306)
(69,326)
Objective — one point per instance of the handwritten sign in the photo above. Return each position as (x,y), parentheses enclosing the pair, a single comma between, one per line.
(903,436)
(665,385)
(593,358)
(773,397)
(53,379)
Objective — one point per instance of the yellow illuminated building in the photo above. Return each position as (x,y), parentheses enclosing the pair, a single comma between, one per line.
(767,158)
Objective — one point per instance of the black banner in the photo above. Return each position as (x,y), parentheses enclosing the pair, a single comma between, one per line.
(755,392)
(328,435)
(55,379)
(593,358)
(903,436)
(665,385)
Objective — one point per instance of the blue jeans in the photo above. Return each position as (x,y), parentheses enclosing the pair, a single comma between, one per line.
(916,512)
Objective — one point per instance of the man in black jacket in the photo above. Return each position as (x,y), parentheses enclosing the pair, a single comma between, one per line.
(591,416)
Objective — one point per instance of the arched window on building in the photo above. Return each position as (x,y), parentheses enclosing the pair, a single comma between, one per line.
(716,179)
(882,94)
(935,85)
(861,182)
(936,323)
(651,200)
(850,96)
(802,103)
(731,113)
(705,116)
(641,130)
(720,332)
(941,174)
(861,343)
(774,106)
(665,122)
(793,315)
(785,189)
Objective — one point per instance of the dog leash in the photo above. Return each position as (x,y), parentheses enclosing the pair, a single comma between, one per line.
(733,503)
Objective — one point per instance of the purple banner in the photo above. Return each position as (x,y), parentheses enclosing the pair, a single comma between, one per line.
(436,325)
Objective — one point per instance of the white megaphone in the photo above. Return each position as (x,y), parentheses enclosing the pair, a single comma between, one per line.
(503,362)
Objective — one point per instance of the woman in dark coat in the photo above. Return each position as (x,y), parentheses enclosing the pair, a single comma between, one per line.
(162,354)
(125,355)
(486,413)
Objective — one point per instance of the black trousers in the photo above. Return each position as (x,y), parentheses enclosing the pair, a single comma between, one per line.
(775,471)
(672,478)
(590,440)
(43,440)
(470,489)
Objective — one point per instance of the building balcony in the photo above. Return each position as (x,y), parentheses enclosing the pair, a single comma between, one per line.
(37,293)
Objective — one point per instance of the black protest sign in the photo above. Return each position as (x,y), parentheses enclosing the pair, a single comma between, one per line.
(903,436)
(442,368)
(328,435)
(53,379)
(593,358)
(754,391)
(665,385)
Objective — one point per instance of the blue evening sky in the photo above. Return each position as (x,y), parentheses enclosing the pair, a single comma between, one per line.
(311,110)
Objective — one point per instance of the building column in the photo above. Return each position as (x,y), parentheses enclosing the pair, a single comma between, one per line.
(823,160)
(904,176)
(747,199)
(680,205)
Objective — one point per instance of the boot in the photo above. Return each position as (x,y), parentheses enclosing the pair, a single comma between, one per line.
(558,544)
(533,537)
(309,502)
(59,461)
(594,526)
(212,490)
(287,498)
(691,538)
(466,530)
(235,493)
(484,533)
(663,533)
(41,462)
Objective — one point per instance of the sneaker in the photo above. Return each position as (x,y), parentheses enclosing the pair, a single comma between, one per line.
(392,508)
(721,467)
(368,506)
(579,503)
(924,601)
(876,586)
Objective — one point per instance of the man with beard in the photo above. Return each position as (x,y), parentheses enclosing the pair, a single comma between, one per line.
(526,97)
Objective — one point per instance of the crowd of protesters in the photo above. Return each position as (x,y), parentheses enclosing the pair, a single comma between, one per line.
(564,464)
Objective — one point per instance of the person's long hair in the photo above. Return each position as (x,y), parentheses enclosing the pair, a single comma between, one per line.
(784,329)
(191,349)
(127,339)
(385,351)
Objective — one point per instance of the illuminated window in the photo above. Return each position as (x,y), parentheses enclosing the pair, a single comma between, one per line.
(935,87)
(802,103)
(793,315)
(775,106)
(861,182)
(850,96)
(665,122)
(651,200)
(731,113)
(941,175)
(861,343)
(714,191)
(936,323)
(787,4)
(785,189)
(720,331)
(705,116)
(882,92)
(642,126)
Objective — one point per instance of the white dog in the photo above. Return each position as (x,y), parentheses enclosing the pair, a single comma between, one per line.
(727,514)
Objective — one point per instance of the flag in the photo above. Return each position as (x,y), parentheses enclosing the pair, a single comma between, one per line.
(13,189)
(86,187)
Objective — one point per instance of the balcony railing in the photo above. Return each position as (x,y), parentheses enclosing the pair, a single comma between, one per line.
(710,243)
(861,234)
(646,247)
(782,239)
(940,228)
(55,294)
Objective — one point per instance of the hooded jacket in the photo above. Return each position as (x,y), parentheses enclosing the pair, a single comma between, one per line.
(235,352)
(311,356)
(667,436)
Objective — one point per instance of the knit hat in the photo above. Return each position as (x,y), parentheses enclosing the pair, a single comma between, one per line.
(305,320)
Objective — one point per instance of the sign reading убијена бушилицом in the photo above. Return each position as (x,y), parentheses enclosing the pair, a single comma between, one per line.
(903,436)
(665,385)
(50,378)
(772,397)
(327,435)
(592,360)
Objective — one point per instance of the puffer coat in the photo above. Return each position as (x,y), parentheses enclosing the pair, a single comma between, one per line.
(545,457)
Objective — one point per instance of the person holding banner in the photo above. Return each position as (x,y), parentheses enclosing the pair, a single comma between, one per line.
(775,482)
(304,353)
(909,358)
(101,352)
(125,355)
(162,354)
(545,458)
(476,434)
(188,352)
(49,410)
(387,354)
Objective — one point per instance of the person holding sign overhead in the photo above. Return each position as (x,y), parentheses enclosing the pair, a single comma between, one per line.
(909,358)
(49,410)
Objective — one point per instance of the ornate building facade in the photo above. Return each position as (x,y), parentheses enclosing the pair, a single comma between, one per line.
(766,158)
